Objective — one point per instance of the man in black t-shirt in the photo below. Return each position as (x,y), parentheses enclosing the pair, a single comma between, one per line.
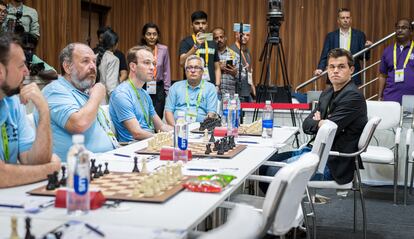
(197,44)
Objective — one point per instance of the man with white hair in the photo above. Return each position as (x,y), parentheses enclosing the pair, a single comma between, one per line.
(74,100)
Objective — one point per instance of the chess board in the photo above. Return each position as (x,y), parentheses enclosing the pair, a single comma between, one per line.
(120,186)
(198,131)
(198,150)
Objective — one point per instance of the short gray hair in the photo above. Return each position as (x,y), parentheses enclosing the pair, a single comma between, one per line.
(193,57)
(66,55)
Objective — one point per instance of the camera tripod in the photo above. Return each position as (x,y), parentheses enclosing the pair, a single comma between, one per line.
(264,90)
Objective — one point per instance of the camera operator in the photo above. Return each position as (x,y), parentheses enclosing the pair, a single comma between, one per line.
(36,65)
(22,18)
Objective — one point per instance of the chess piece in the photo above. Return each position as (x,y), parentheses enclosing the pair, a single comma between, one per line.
(135,169)
(50,183)
(220,149)
(63,179)
(205,136)
(208,149)
(96,174)
(212,139)
(106,171)
(93,167)
(14,234)
(100,170)
(56,179)
(144,166)
(216,145)
(28,227)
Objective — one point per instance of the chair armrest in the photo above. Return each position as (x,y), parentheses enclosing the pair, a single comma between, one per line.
(260,178)
(228,205)
(274,164)
(408,137)
(398,135)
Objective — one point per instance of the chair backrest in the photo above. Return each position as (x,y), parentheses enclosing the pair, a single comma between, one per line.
(243,223)
(388,111)
(323,143)
(297,175)
(368,132)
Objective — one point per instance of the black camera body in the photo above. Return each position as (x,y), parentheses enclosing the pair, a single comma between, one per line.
(275,18)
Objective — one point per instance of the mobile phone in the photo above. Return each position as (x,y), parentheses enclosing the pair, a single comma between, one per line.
(229,62)
(206,36)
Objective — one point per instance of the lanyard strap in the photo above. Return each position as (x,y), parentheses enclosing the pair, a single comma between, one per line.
(155,60)
(146,116)
(198,50)
(200,95)
(242,53)
(348,47)
(406,58)
(5,142)
(107,128)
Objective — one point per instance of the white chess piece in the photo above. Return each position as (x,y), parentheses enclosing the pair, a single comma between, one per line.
(144,168)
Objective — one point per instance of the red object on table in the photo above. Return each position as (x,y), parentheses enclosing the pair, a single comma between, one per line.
(97,199)
(166,153)
(220,132)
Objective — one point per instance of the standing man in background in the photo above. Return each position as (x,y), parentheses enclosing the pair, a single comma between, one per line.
(346,38)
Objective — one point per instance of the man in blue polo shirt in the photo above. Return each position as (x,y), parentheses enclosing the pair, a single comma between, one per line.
(24,156)
(130,106)
(74,100)
(397,65)
(195,96)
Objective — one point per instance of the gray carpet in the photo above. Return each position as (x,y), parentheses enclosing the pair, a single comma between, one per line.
(385,220)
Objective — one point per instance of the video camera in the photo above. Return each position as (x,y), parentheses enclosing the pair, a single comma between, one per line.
(275,19)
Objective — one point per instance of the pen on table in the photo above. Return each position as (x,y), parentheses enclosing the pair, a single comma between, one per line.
(202,169)
(47,204)
(90,227)
(247,142)
(122,155)
(11,206)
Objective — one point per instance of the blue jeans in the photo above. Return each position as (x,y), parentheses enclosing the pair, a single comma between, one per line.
(289,157)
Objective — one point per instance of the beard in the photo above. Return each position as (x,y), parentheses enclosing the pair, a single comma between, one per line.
(81,84)
(7,90)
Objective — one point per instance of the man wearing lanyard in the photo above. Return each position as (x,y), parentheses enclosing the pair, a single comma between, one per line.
(74,101)
(397,65)
(199,99)
(130,106)
(197,44)
(25,155)
(247,89)
(346,38)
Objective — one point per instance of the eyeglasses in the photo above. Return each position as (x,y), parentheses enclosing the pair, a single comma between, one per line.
(340,67)
(194,68)
(402,27)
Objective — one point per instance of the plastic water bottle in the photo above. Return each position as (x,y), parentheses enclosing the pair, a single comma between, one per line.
(232,119)
(225,105)
(180,138)
(267,120)
(77,194)
(238,108)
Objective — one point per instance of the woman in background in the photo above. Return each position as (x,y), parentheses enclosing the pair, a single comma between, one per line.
(107,63)
(158,88)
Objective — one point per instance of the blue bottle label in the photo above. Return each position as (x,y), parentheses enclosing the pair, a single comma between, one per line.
(80,185)
(182,143)
(267,123)
(225,112)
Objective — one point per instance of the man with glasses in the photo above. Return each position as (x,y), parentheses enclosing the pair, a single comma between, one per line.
(347,38)
(397,65)
(130,106)
(199,98)
(74,101)
(343,104)
(3,15)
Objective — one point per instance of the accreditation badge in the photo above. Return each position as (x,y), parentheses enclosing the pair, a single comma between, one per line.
(152,87)
(206,76)
(191,116)
(399,76)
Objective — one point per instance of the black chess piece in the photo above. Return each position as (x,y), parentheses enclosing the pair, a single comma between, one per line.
(100,172)
(96,174)
(28,228)
(135,169)
(220,148)
(50,184)
(208,149)
(106,171)
(62,181)
(232,143)
(212,139)
(56,179)
(216,144)
(225,144)
(93,166)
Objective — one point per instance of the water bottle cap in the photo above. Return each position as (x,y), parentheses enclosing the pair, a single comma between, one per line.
(180,113)
(78,138)
(236,95)
(227,94)
(268,102)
